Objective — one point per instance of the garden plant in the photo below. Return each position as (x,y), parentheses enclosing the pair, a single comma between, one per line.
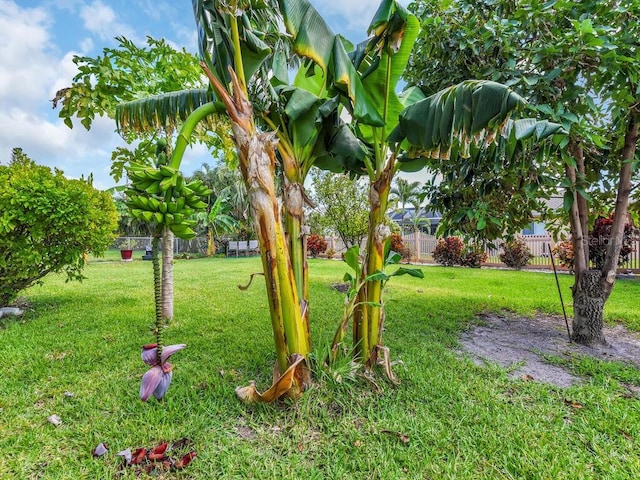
(381,134)
(577,63)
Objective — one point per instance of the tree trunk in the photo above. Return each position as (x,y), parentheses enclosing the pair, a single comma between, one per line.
(167,274)
(256,155)
(368,319)
(297,240)
(588,303)
(593,287)
(616,237)
(211,246)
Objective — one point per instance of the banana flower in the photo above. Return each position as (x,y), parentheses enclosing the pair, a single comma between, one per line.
(158,378)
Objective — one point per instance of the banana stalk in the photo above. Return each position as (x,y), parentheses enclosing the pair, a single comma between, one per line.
(369,310)
(256,154)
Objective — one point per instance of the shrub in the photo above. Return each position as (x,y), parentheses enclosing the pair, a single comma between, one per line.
(473,256)
(599,241)
(563,251)
(48,223)
(448,251)
(516,254)
(316,244)
(398,246)
(331,253)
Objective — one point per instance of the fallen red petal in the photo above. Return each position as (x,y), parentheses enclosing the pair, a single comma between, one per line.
(138,455)
(161,448)
(186,460)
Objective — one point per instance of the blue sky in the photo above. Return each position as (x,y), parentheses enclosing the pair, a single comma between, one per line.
(39,40)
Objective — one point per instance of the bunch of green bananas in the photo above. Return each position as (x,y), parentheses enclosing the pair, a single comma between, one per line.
(161,195)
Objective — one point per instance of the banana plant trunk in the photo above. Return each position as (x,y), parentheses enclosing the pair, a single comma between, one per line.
(297,237)
(256,154)
(369,311)
(167,274)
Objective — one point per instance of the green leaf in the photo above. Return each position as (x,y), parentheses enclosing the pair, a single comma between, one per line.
(414,272)
(377,277)
(582,192)
(393,258)
(567,202)
(351,256)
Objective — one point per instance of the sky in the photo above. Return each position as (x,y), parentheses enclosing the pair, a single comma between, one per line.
(38,40)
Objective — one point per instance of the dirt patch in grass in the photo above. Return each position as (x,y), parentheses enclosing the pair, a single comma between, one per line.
(520,343)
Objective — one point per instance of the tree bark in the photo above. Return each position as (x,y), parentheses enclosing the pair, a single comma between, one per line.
(593,287)
(368,318)
(622,203)
(588,304)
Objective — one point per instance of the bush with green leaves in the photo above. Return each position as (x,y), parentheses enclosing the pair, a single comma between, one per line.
(516,254)
(48,223)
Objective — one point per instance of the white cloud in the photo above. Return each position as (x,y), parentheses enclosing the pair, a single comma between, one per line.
(86,45)
(101,20)
(30,73)
(25,62)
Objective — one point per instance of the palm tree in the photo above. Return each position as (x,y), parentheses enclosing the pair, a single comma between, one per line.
(216,221)
(403,193)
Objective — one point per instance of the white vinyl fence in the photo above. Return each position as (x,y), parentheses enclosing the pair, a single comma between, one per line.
(419,243)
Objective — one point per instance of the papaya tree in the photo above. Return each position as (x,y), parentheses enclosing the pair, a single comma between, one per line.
(579,63)
(123,74)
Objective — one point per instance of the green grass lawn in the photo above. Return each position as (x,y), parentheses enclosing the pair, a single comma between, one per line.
(76,354)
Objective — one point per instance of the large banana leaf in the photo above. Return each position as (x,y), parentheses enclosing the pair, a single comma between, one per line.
(216,37)
(446,124)
(384,57)
(313,39)
(338,148)
(161,112)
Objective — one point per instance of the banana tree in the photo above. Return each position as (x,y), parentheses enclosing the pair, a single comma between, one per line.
(161,197)
(232,52)
(304,115)
(398,132)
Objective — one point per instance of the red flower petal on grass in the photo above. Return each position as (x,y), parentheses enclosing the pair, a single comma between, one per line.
(185,460)
(158,452)
(138,455)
